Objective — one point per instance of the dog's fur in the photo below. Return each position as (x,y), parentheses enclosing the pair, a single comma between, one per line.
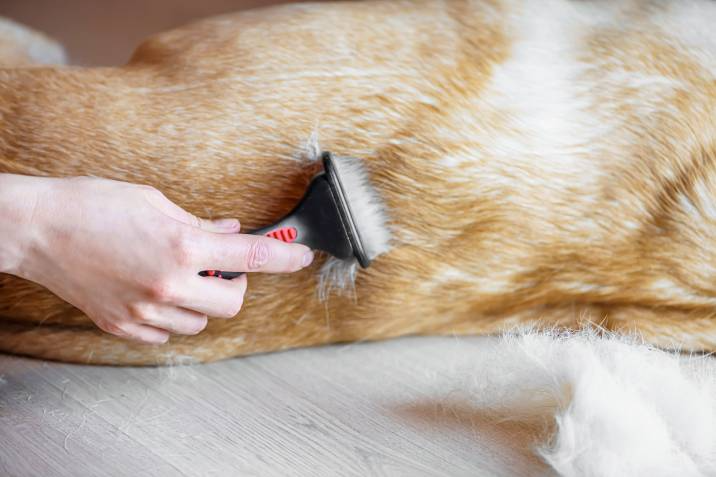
(542,161)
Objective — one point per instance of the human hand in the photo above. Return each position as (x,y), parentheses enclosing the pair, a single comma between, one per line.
(129,258)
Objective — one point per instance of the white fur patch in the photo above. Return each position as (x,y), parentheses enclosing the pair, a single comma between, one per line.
(39,48)
(690,22)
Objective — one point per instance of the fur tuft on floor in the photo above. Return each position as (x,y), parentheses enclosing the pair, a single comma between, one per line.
(608,405)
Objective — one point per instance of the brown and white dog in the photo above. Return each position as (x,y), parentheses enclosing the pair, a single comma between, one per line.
(543,162)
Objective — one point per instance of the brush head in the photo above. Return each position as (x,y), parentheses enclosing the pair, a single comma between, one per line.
(340,213)
(361,209)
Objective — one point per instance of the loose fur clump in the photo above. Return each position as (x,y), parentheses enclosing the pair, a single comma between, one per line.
(337,275)
(311,150)
(611,405)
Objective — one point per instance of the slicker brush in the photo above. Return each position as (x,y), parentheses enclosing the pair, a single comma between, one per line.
(340,213)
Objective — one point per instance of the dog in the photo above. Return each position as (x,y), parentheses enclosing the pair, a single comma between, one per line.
(544,163)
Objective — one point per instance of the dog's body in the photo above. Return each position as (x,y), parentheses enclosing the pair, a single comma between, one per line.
(546,163)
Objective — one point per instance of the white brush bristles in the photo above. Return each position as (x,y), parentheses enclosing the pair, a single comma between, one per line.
(366,207)
(369,215)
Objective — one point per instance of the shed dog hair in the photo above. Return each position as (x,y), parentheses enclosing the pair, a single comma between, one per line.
(546,163)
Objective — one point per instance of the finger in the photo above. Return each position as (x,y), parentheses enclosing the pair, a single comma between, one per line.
(250,253)
(170,209)
(216,298)
(222,226)
(145,334)
(172,319)
(134,331)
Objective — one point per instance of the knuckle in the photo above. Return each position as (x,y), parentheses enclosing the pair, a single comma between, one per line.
(259,255)
(151,191)
(162,291)
(183,248)
(151,194)
(137,312)
(113,327)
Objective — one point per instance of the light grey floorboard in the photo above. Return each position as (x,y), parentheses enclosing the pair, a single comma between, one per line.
(362,409)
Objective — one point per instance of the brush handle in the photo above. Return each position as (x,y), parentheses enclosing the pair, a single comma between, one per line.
(276,231)
(220,274)
(320,221)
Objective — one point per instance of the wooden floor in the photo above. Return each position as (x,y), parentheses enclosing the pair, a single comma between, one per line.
(364,409)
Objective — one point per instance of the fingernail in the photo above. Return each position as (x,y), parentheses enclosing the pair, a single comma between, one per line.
(228,224)
(307,259)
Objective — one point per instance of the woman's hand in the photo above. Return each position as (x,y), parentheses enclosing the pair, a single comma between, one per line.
(128,257)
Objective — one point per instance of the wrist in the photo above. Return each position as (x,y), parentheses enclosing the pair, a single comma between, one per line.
(21,198)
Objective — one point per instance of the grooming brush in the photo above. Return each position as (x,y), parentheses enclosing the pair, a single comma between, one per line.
(340,213)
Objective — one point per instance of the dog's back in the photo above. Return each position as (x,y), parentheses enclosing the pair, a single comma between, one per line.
(543,162)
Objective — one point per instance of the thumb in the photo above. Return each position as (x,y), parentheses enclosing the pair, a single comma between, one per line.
(169,208)
(221,226)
